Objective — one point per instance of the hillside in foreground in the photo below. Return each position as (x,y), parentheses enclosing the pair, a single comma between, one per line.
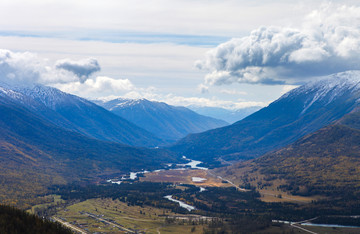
(13,220)
(325,163)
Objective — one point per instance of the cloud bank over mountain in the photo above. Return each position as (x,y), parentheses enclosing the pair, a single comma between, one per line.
(76,77)
(24,68)
(328,42)
(20,67)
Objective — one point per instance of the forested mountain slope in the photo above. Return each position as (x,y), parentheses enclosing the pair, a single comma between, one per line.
(297,113)
(163,120)
(78,114)
(35,153)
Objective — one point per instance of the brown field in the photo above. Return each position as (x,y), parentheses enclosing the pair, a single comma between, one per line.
(268,194)
(268,190)
(184,177)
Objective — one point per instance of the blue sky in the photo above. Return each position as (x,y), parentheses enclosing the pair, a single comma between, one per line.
(117,36)
(227,53)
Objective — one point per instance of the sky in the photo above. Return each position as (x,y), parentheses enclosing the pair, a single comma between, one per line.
(231,53)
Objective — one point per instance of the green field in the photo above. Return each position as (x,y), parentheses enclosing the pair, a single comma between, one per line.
(146,219)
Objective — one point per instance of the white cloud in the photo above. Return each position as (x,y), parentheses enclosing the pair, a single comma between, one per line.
(232,92)
(153,94)
(144,64)
(20,67)
(203,88)
(209,102)
(167,67)
(24,68)
(81,68)
(97,87)
(201,17)
(328,42)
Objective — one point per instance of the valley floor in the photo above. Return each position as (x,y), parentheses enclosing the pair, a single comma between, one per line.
(109,216)
(112,216)
(140,206)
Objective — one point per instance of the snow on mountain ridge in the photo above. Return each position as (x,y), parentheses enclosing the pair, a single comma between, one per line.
(51,97)
(10,93)
(348,80)
(127,102)
(37,94)
(17,96)
(122,103)
(327,88)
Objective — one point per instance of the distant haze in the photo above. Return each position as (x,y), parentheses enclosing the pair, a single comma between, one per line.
(230,116)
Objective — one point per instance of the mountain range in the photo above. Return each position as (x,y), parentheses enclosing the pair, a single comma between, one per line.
(36,152)
(307,136)
(297,113)
(164,121)
(79,115)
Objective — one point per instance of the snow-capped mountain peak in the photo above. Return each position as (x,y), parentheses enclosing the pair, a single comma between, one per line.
(335,83)
(77,114)
(10,93)
(51,97)
(327,89)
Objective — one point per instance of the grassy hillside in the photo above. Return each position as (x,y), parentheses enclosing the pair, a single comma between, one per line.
(327,162)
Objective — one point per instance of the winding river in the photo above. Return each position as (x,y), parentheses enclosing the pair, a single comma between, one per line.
(182,204)
(193,164)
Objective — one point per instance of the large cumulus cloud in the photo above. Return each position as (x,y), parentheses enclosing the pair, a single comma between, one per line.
(328,42)
(20,67)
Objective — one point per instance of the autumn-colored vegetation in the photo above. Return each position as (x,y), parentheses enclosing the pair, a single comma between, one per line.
(325,163)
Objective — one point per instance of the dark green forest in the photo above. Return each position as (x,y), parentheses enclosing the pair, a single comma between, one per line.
(15,221)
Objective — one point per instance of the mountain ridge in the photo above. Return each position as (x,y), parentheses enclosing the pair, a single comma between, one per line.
(80,115)
(325,163)
(35,154)
(165,121)
(295,114)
